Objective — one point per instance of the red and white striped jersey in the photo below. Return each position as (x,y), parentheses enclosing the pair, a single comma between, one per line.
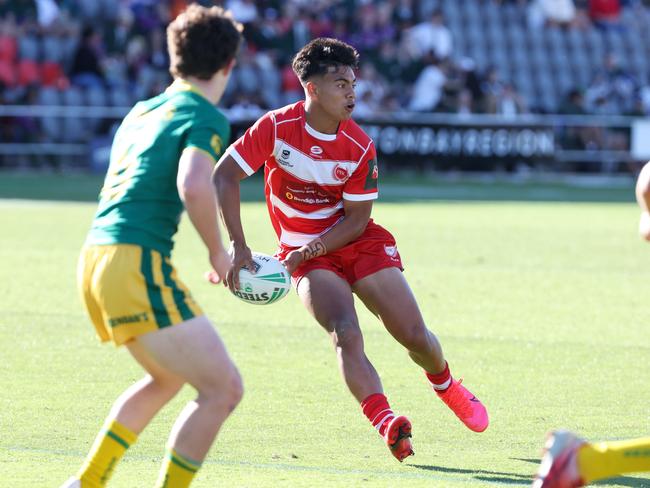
(308,174)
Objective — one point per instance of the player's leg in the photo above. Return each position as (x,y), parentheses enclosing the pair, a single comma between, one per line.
(130,414)
(387,294)
(329,299)
(194,351)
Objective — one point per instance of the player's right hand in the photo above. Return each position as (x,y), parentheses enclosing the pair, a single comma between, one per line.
(240,257)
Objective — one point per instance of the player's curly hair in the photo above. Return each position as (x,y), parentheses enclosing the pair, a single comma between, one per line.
(321,54)
(201,41)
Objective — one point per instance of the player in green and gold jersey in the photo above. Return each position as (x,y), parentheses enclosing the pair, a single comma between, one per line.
(161,163)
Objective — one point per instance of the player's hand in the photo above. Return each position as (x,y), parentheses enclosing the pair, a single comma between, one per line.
(240,257)
(644,225)
(293,260)
(220,265)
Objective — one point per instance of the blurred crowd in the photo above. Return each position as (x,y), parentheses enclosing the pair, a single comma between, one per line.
(113,53)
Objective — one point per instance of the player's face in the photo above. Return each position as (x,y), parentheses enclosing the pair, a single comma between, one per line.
(335,92)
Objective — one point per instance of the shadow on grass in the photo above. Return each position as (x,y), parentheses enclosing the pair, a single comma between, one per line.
(526,479)
(84,187)
(481,474)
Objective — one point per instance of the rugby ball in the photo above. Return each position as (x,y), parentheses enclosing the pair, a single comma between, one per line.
(270,283)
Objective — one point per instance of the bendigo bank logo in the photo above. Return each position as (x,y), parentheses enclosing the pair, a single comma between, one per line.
(340,173)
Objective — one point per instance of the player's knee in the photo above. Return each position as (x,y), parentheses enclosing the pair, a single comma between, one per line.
(346,334)
(225,391)
(236,389)
(415,338)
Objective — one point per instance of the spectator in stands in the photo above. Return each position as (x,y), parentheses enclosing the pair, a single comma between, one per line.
(47,11)
(491,88)
(465,104)
(430,36)
(557,13)
(509,103)
(22,10)
(244,11)
(371,88)
(471,81)
(427,90)
(613,90)
(117,37)
(605,14)
(86,67)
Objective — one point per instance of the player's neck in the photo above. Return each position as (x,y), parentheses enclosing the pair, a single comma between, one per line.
(211,89)
(319,120)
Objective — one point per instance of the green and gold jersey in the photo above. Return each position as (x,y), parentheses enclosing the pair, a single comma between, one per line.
(139,202)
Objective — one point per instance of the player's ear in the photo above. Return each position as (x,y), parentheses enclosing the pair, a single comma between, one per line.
(229,67)
(312,89)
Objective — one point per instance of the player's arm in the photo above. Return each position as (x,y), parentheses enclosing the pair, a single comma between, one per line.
(226,177)
(643,199)
(357,214)
(197,194)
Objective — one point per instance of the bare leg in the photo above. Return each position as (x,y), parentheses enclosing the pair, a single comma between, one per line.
(329,299)
(193,351)
(401,316)
(141,402)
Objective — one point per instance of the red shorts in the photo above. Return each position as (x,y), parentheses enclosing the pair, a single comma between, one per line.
(372,251)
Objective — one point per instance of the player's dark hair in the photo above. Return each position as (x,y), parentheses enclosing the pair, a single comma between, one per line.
(317,57)
(201,41)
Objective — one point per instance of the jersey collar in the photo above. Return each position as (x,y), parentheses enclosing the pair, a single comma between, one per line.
(319,135)
(180,85)
(313,132)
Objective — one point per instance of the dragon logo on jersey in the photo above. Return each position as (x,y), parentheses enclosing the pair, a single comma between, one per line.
(340,173)
(373,175)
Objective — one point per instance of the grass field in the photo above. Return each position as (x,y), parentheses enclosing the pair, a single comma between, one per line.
(541,306)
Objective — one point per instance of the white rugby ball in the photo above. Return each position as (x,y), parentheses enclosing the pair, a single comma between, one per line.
(270,283)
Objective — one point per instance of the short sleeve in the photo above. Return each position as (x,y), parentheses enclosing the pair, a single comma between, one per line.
(252,149)
(362,185)
(210,137)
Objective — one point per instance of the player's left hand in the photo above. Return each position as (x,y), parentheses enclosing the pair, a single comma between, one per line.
(293,260)
(220,262)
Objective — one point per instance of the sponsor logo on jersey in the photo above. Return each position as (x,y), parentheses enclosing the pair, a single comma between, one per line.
(340,173)
(128,319)
(309,200)
(316,150)
(216,144)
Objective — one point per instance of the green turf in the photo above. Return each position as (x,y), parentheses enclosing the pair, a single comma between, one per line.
(397,188)
(541,307)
